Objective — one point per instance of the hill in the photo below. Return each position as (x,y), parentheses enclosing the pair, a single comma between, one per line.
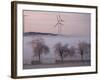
(38,33)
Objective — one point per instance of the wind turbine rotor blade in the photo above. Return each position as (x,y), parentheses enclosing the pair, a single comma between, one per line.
(56,24)
(57,18)
(61,23)
(62,20)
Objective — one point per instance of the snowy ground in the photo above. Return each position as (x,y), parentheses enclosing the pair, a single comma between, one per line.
(51,41)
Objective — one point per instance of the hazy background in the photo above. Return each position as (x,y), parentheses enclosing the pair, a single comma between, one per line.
(77,24)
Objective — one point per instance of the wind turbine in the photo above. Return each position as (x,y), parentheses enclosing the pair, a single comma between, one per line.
(59,23)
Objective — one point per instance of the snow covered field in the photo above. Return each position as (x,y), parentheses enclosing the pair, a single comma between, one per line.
(50,41)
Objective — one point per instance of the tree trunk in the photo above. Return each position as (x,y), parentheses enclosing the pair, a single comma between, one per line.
(61,55)
(61,58)
(39,58)
(82,55)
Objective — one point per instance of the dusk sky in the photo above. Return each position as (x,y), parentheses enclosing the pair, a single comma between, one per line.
(77,24)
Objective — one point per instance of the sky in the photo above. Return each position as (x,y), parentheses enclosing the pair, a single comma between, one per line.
(76,24)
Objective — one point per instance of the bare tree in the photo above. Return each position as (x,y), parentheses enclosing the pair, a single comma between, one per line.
(40,48)
(66,50)
(59,50)
(83,48)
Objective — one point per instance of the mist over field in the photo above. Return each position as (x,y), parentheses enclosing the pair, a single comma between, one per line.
(51,57)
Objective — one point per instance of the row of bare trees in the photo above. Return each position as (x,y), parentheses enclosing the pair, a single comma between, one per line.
(63,50)
(39,47)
